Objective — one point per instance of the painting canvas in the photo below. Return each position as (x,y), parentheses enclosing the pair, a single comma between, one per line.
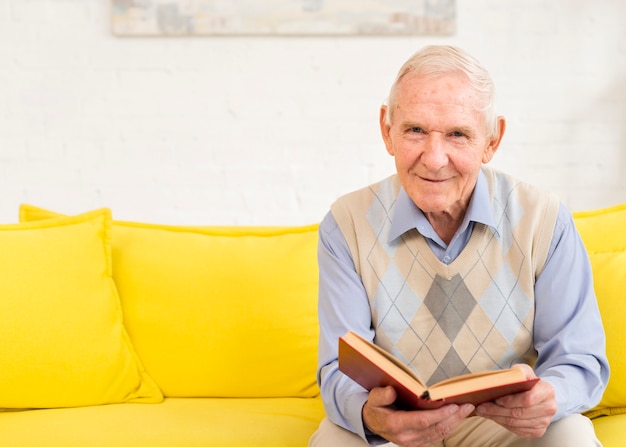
(282,17)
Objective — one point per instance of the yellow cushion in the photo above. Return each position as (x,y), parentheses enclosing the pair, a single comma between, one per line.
(61,330)
(219,311)
(604,233)
(272,422)
(610,430)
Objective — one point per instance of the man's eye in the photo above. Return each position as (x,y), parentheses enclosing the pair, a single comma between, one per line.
(458,133)
(416,130)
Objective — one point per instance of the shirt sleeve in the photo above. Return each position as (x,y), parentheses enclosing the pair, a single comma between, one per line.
(568,332)
(343,305)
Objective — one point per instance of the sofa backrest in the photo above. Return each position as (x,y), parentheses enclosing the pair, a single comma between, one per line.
(231,311)
(218,311)
(603,232)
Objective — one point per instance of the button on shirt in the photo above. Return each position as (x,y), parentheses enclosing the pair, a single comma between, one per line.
(569,358)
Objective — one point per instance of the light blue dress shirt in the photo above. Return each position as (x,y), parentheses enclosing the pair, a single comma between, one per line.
(568,332)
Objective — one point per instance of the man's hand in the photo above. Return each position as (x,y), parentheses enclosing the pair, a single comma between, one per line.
(410,428)
(527,414)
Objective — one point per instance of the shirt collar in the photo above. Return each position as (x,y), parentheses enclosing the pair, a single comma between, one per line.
(407,216)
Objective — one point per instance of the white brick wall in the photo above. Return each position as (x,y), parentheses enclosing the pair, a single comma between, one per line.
(268,130)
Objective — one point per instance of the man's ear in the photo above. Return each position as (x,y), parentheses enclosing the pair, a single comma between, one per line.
(494,143)
(385,128)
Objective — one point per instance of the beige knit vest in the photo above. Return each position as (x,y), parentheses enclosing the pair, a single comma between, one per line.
(474,314)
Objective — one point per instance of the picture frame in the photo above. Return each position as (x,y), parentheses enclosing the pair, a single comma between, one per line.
(283,17)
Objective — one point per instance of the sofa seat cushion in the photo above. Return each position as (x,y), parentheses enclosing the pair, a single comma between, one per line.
(610,430)
(285,422)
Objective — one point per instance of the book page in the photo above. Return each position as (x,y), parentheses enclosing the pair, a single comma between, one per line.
(476,381)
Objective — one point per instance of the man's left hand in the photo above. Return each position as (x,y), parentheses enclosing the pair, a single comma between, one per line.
(526,414)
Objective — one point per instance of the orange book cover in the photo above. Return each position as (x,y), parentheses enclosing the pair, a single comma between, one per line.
(371,366)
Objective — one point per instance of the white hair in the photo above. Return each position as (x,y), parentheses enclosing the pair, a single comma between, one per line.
(440,60)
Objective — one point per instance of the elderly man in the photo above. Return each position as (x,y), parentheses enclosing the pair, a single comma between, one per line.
(455,267)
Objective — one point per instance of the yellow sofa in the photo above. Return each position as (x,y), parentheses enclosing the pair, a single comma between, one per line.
(129,334)
(604,233)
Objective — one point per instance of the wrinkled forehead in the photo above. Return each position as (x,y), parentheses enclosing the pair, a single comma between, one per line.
(452,89)
(442,102)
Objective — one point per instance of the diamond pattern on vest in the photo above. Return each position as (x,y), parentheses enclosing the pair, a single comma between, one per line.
(450,313)
(467,335)
(444,320)
(451,305)
(452,327)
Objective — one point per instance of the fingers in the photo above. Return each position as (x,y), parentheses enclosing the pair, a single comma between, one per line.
(528,371)
(441,423)
(410,428)
(437,425)
(382,397)
(526,414)
(525,422)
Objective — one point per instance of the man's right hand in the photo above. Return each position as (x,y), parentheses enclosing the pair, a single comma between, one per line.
(421,428)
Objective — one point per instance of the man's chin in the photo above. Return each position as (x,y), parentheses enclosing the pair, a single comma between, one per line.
(433,206)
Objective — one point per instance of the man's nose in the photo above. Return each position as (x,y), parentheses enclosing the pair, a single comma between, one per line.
(435,155)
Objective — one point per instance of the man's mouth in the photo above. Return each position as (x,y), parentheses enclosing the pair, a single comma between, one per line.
(433,180)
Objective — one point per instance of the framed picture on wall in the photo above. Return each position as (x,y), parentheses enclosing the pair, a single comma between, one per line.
(282,17)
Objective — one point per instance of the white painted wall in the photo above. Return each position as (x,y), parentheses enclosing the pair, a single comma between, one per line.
(262,130)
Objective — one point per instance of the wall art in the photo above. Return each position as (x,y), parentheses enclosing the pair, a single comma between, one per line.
(282,17)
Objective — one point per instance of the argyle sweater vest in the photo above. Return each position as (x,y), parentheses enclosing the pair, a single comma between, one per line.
(472,315)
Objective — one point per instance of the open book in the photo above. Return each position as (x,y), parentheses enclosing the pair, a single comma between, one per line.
(371,366)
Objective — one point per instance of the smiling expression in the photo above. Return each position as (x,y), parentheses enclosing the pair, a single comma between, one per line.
(438,138)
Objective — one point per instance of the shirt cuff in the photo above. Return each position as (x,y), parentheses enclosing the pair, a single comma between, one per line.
(354,414)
